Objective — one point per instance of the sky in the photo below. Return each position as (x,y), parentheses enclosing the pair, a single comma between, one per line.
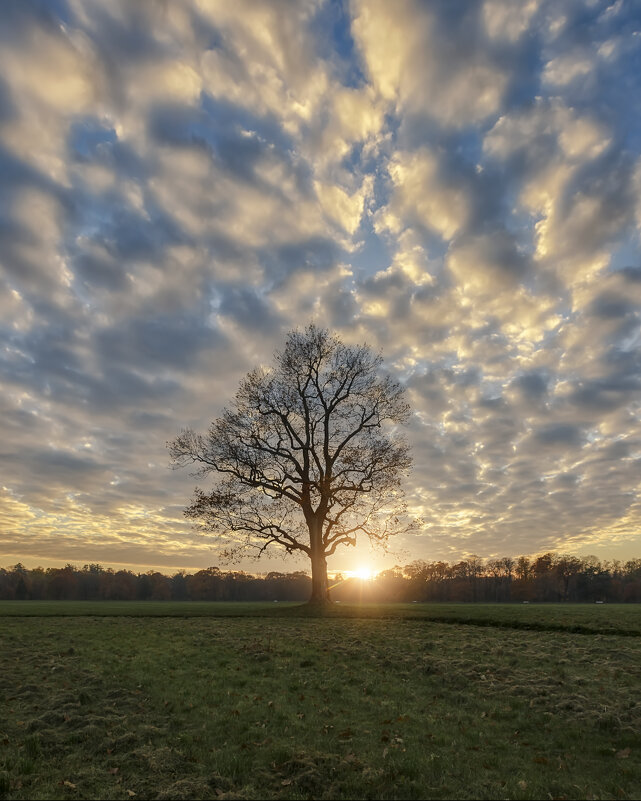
(457,184)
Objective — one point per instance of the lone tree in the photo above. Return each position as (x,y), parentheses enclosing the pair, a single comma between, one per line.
(306,456)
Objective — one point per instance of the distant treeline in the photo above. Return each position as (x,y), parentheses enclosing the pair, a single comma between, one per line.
(549,577)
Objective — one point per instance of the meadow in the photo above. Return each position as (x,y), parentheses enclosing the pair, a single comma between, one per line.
(178,701)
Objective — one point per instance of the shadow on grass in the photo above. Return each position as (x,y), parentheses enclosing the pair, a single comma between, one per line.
(389,613)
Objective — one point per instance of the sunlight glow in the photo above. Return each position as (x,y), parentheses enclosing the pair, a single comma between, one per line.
(363,573)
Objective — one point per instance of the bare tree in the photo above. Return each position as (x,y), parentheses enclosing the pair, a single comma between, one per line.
(307,456)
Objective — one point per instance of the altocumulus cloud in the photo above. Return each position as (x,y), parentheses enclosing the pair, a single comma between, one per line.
(457,184)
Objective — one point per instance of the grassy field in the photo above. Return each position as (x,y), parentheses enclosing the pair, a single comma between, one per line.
(136,608)
(622,619)
(269,704)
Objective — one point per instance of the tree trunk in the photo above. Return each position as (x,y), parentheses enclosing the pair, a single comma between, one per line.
(320,591)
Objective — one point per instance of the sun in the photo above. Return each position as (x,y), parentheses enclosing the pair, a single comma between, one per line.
(363,573)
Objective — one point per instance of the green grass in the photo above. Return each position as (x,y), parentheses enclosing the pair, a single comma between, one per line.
(622,619)
(282,706)
(136,608)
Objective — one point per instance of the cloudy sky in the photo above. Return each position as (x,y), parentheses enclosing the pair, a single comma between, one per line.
(455,183)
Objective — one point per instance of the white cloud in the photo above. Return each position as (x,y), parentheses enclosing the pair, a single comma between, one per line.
(564,69)
(576,223)
(422,195)
(415,67)
(540,131)
(504,19)
(486,264)
(344,209)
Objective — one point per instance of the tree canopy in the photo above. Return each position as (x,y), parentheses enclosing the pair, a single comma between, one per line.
(307,456)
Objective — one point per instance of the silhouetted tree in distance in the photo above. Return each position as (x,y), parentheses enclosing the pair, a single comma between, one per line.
(305,456)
